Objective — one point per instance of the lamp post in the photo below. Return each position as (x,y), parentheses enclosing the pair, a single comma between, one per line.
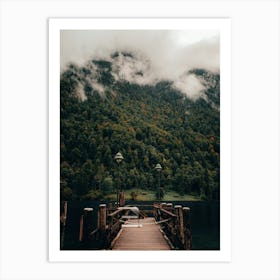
(158,168)
(118,158)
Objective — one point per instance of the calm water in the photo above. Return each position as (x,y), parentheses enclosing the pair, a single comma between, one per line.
(205,223)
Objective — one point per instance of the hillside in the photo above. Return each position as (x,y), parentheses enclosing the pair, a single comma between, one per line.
(107,106)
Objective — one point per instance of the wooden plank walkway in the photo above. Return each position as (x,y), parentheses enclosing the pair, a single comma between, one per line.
(147,237)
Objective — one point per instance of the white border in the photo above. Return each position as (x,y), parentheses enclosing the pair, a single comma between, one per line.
(223,25)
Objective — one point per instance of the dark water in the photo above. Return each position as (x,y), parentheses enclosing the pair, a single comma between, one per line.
(205,223)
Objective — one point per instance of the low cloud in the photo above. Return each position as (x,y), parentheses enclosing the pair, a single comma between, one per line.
(158,55)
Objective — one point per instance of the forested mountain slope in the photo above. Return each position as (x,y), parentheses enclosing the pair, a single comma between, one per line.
(107,107)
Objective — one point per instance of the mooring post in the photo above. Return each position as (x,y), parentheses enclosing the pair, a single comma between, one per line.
(81,232)
(187,223)
(169,206)
(122,199)
(63,218)
(180,223)
(102,217)
(102,224)
(86,224)
(163,205)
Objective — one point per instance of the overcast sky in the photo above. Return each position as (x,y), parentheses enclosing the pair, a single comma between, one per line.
(170,53)
(163,48)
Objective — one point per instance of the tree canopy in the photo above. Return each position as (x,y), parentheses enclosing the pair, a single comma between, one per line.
(148,124)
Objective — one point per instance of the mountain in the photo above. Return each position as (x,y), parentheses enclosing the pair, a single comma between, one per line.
(118,105)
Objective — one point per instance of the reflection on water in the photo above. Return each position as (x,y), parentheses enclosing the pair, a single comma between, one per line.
(205,223)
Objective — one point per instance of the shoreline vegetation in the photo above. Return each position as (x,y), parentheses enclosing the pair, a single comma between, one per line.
(140,195)
(149,195)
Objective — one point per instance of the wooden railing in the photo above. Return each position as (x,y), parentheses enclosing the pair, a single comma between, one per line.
(114,225)
(146,210)
(89,237)
(108,225)
(174,221)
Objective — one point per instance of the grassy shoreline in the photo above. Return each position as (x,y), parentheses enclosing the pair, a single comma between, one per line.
(148,195)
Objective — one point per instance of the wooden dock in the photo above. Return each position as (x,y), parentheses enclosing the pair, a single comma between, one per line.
(143,234)
(162,227)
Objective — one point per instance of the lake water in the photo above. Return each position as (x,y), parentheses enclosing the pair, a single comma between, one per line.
(205,222)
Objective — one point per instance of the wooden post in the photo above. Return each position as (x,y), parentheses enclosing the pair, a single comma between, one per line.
(63,212)
(122,199)
(155,212)
(81,233)
(102,217)
(169,206)
(133,195)
(63,218)
(180,223)
(86,222)
(187,233)
(102,225)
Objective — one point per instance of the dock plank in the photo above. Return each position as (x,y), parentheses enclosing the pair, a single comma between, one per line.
(147,237)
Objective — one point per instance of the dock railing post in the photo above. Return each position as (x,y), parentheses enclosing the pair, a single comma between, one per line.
(81,231)
(180,224)
(63,218)
(187,230)
(86,225)
(169,207)
(122,199)
(102,224)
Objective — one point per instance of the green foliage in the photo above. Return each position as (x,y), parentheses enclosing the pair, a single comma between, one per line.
(94,195)
(148,125)
(65,192)
(108,185)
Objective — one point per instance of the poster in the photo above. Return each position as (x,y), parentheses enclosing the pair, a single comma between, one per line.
(139,110)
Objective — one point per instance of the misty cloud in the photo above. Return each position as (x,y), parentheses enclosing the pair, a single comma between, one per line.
(157,55)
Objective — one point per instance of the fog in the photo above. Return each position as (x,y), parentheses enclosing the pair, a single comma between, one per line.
(159,55)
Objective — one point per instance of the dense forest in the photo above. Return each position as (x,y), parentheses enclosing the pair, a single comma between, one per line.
(148,124)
